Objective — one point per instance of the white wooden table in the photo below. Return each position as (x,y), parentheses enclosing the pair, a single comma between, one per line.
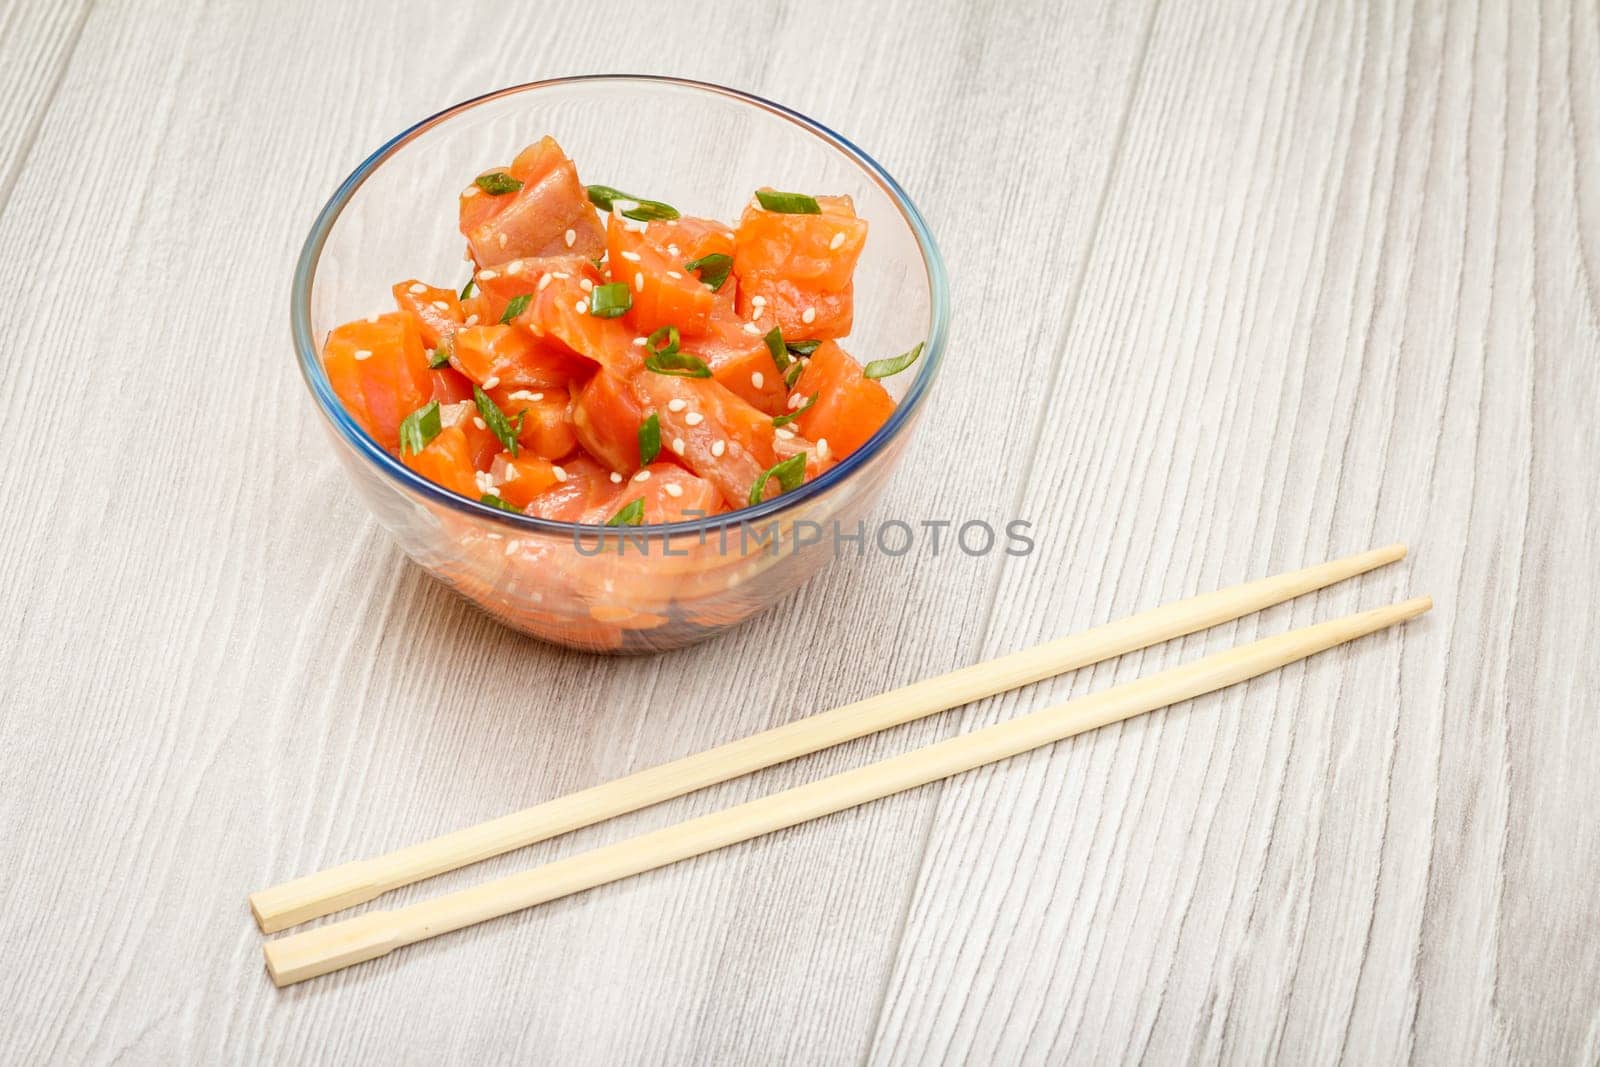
(1239,285)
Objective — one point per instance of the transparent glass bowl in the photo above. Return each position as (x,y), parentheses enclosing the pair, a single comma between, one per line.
(702,148)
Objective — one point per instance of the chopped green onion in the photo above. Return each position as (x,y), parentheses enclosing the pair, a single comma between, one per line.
(784,420)
(649,440)
(678,364)
(604,197)
(496,502)
(418,428)
(775,345)
(609,301)
(802,348)
(882,368)
(518,305)
(503,428)
(793,376)
(467,290)
(790,473)
(713,269)
(632,514)
(497,183)
(440,356)
(789,203)
(669,334)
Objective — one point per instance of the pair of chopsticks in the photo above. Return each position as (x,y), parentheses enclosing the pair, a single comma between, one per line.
(338,945)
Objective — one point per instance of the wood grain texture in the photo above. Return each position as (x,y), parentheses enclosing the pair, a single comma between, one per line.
(1317,276)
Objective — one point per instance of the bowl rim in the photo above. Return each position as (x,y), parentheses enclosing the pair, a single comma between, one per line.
(332,408)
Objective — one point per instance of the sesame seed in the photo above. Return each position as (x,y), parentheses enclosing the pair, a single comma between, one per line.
(535,397)
(678,446)
(418,288)
(838,239)
(472,320)
(586,285)
(510,474)
(514,267)
(751,327)
(785,433)
(373,319)
(641,341)
(523,394)
(674,274)
(638,281)
(512,546)
(485,483)
(677,403)
(822,448)
(442,305)
(795,401)
(544,280)
(631,257)
(581,307)
(560,274)
(674,490)
(673,250)
(477,421)
(487,275)
(491,381)
(362,353)
(559,472)
(635,227)
(642,476)
(616,479)
(718,447)
(571,237)
(502,240)
(808,315)
(758,300)
(471,190)
(694,418)
(757,380)
(728,235)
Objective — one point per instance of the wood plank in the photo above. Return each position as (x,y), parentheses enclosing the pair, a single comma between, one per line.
(36,44)
(228,675)
(1343,292)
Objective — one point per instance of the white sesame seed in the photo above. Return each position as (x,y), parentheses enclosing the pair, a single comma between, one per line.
(642,476)
(694,418)
(581,307)
(678,446)
(677,403)
(635,227)
(373,319)
(512,546)
(795,401)
(514,267)
(472,320)
(559,472)
(638,281)
(442,305)
(785,433)
(571,237)
(757,380)
(673,489)
(758,300)
(522,394)
(491,381)
(586,285)
(502,240)
(563,275)
(751,327)
(641,341)
(362,353)
(471,190)
(487,275)
(544,280)
(418,288)
(728,235)
(674,274)
(672,250)
(479,423)
(616,479)
(822,448)
(485,483)
(808,315)
(838,239)
(534,398)
(718,447)
(632,257)
(510,474)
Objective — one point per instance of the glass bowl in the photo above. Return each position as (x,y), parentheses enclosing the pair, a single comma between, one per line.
(702,148)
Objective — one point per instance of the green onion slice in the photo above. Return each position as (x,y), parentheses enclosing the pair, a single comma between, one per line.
(882,368)
(496,502)
(784,420)
(605,198)
(666,334)
(713,269)
(790,473)
(503,428)
(789,203)
(775,345)
(468,289)
(802,348)
(497,183)
(518,305)
(609,301)
(793,376)
(418,428)
(632,514)
(678,364)
(649,440)
(440,357)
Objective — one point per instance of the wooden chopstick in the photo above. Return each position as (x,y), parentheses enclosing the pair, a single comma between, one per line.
(361,880)
(329,948)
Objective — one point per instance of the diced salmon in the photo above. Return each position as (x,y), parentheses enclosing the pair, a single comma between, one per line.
(670,494)
(514,357)
(582,493)
(799,267)
(438,311)
(849,407)
(447,461)
(522,479)
(740,360)
(380,371)
(606,416)
(545,430)
(482,444)
(450,386)
(498,286)
(560,312)
(663,292)
(550,215)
